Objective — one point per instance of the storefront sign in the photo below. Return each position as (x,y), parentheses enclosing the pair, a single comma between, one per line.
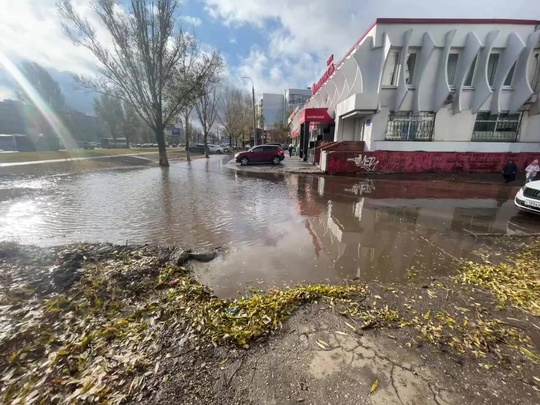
(316,115)
(330,60)
(331,68)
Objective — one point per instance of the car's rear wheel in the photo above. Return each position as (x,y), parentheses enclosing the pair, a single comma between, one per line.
(244,161)
(219,152)
(276,160)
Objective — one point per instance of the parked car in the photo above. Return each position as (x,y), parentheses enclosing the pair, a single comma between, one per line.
(219,150)
(261,154)
(528,197)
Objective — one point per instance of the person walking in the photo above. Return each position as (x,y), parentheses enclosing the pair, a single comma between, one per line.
(291,148)
(509,171)
(532,170)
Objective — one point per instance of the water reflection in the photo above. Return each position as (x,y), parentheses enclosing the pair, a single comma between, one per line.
(279,229)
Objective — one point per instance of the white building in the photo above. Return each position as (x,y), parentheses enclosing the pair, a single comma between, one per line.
(435,85)
(296,98)
(270,110)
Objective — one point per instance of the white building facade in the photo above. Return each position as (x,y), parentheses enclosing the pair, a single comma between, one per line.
(436,85)
(270,110)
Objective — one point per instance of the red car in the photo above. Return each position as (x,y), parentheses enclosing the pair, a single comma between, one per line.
(261,154)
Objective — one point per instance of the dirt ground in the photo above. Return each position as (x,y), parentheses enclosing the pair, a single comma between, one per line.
(318,359)
(322,356)
(431,340)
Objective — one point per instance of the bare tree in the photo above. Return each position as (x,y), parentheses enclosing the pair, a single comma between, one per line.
(152,64)
(185,116)
(45,85)
(109,110)
(207,112)
(281,132)
(235,113)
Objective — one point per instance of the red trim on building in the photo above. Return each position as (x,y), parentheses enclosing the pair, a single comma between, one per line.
(319,115)
(455,21)
(355,45)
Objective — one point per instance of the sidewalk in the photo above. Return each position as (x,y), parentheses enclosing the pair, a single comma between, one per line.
(288,165)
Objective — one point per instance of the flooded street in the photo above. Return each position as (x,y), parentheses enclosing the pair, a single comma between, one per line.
(277,229)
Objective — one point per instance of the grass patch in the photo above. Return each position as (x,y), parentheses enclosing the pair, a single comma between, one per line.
(75,154)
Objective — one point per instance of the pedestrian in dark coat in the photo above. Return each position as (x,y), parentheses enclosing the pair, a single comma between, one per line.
(509,171)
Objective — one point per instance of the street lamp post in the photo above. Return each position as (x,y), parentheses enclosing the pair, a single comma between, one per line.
(254,117)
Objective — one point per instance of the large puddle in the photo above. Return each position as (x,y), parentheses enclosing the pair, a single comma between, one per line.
(276,229)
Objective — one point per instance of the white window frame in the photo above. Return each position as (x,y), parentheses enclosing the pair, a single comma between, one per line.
(494,71)
(471,72)
(410,82)
(396,55)
(452,84)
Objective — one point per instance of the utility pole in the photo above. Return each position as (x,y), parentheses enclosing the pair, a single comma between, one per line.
(254,115)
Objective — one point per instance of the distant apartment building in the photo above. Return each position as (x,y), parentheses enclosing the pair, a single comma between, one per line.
(272,108)
(429,94)
(295,98)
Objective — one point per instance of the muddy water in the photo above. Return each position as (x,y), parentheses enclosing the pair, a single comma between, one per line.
(277,229)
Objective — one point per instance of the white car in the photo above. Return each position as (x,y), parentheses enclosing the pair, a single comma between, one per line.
(219,150)
(528,197)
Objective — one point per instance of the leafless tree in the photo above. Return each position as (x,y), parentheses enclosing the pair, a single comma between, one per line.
(152,63)
(207,111)
(235,114)
(109,111)
(185,117)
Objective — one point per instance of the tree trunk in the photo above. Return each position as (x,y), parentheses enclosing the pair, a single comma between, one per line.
(206,145)
(188,156)
(160,137)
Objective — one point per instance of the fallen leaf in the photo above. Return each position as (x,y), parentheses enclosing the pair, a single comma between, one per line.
(350,326)
(374,386)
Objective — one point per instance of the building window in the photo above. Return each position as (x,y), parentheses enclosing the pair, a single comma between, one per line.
(406,126)
(502,127)
(393,66)
(492,67)
(510,76)
(391,69)
(451,67)
(470,74)
(409,68)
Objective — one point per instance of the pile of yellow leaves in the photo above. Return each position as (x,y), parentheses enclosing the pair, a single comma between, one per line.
(105,337)
(515,283)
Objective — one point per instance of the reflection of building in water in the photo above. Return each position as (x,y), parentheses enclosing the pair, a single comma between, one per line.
(374,237)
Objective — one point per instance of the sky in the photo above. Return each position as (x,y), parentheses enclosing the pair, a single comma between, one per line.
(279,43)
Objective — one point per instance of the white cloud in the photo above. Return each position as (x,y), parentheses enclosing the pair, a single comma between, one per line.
(191,21)
(31,30)
(304,33)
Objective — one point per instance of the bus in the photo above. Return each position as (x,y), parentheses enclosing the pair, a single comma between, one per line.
(110,143)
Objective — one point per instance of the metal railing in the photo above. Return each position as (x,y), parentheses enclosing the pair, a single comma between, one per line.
(496,128)
(407,126)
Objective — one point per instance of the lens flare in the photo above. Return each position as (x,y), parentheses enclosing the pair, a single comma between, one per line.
(50,116)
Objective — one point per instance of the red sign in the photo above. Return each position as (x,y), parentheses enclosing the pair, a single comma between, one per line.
(329,72)
(316,115)
(330,60)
